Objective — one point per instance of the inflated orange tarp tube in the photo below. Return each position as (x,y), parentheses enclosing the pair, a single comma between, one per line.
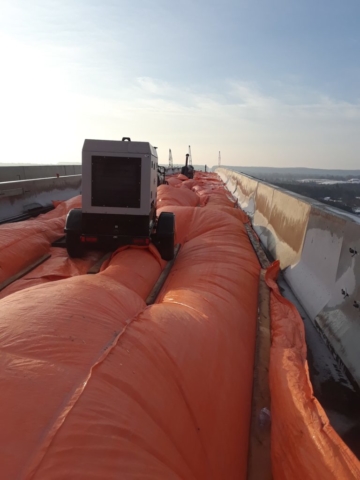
(115,390)
(303,444)
(173,181)
(169,196)
(188,183)
(52,336)
(24,242)
(58,267)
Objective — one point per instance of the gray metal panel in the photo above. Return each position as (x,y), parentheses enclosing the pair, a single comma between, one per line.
(120,148)
(116,146)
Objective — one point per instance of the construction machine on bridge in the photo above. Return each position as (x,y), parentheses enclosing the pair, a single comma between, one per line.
(119,187)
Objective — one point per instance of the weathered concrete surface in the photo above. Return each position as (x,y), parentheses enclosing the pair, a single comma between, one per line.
(11,174)
(16,197)
(315,245)
(278,218)
(281,220)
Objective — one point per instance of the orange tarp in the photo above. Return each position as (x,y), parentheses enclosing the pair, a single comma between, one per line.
(169,196)
(24,242)
(95,385)
(58,267)
(303,444)
(114,388)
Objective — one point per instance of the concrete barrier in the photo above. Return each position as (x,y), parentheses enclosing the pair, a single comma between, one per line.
(319,252)
(15,173)
(18,197)
(22,187)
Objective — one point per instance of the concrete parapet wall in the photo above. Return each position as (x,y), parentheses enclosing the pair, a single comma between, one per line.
(17,197)
(316,247)
(10,174)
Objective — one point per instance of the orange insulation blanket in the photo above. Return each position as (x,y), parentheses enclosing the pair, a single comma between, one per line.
(24,242)
(304,445)
(117,390)
(58,267)
(95,385)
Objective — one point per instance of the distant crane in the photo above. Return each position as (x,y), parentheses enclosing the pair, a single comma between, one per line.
(171,163)
(219,159)
(190,157)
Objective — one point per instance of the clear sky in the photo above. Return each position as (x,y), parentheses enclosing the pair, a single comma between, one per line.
(267,82)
